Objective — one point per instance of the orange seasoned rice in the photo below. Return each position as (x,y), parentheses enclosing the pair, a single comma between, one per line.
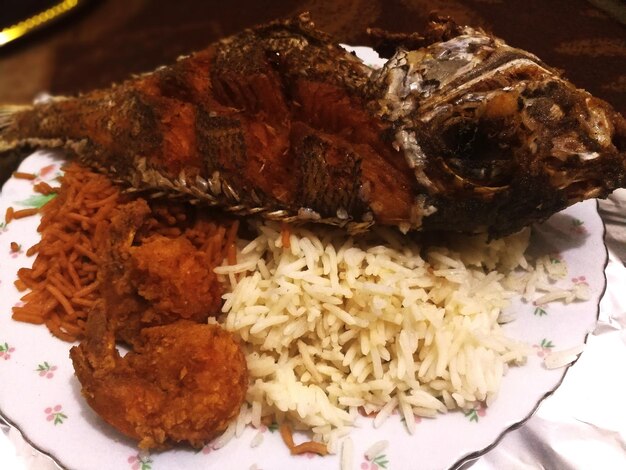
(63,283)
(62,279)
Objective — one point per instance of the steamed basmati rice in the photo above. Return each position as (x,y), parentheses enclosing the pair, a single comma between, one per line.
(334,324)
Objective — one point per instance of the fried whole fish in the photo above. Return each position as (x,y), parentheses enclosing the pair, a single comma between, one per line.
(457,132)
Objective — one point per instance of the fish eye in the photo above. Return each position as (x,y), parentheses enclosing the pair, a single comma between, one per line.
(479,151)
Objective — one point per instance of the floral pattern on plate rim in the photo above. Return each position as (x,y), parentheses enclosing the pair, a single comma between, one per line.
(5,351)
(140,462)
(55,414)
(46,370)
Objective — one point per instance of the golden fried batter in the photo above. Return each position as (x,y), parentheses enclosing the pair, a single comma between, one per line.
(183,382)
(175,277)
(154,272)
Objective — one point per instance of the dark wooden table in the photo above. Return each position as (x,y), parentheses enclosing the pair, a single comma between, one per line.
(111,39)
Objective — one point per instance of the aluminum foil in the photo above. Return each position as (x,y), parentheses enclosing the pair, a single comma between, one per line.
(17,454)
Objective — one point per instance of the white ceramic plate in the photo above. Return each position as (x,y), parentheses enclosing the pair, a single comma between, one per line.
(40,395)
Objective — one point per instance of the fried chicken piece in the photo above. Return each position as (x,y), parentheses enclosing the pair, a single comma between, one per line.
(149,279)
(183,382)
(175,277)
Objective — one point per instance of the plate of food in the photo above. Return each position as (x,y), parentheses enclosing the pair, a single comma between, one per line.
(208,273)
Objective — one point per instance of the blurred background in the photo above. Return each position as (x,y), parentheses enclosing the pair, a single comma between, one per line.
(103,41)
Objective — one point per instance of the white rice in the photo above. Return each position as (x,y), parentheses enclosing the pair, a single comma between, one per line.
(336,323)
(377,448)
(257,440)
(562,358)
(347,449)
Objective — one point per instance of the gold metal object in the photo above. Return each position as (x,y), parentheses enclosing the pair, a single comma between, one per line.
(23,27)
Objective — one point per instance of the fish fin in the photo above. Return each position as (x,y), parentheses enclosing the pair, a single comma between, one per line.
(10,143)
(8,112)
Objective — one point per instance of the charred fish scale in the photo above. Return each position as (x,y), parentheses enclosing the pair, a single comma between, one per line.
(458,131)
(221,143)
(243,77)
(331,179)
(294,49)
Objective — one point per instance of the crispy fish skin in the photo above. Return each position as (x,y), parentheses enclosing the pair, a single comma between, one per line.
(224,126)
(461,133)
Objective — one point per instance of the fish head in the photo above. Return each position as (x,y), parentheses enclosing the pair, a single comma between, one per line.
(482,124)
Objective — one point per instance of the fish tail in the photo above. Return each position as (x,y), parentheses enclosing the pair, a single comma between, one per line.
(23,128)
(13,149)
(8,113)
(8,119)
